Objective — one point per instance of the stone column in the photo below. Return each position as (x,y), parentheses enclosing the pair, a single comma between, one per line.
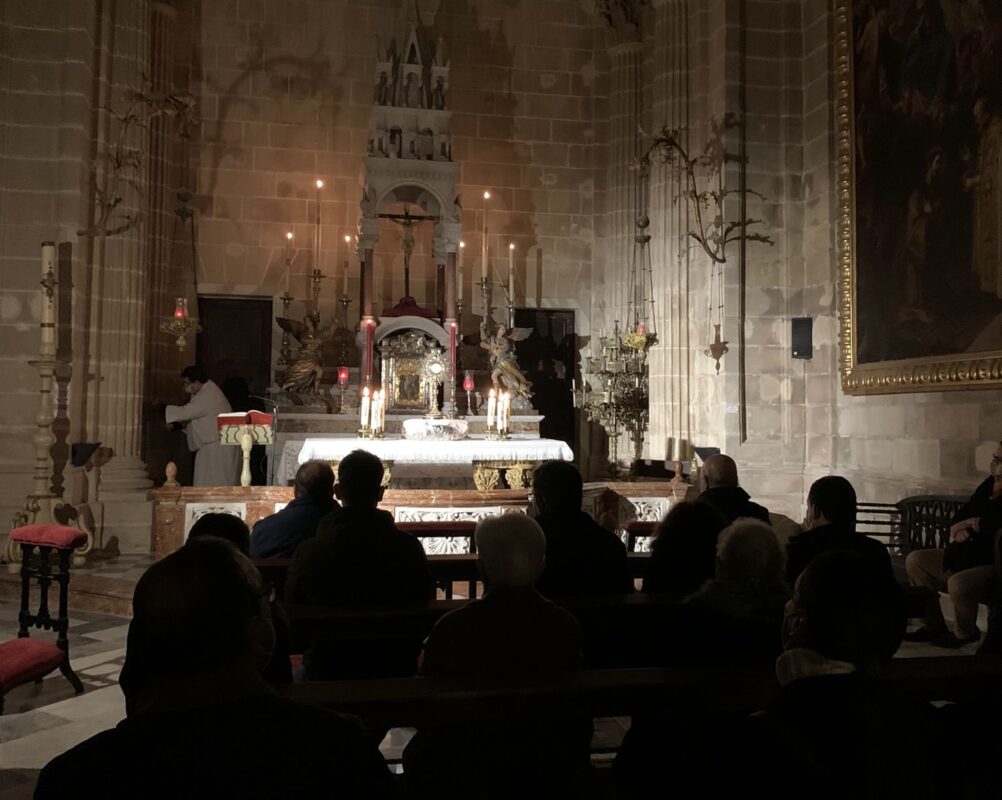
(368,236)
(626,115)
(671,361)
(165,175)
(116,357)
(446,242)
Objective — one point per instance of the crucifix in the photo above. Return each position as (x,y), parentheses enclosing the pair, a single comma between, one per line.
(407,221)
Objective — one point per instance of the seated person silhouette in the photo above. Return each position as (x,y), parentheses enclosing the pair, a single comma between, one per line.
(512,630)
(279,534)
(837,727)
(359,559)
(718,481)
(201,722)
(829,525)
(582,557)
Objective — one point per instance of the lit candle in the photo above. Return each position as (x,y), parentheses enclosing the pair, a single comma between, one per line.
(342,376)
(288,258)
(483,241)
(511,273)
(366,406)
(347,255)
(180,308)
(459,273)
(492,404)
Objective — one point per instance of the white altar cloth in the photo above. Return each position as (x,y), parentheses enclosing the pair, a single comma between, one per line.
(403,452)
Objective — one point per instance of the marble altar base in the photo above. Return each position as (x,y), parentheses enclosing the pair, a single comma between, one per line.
(175,509)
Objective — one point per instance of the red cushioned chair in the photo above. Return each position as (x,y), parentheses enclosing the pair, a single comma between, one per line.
(23,660)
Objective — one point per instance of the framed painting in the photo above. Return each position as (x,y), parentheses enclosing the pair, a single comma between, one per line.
(918,112)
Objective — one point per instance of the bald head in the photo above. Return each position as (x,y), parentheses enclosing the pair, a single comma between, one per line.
(511,550)
(314,479)
(720,470)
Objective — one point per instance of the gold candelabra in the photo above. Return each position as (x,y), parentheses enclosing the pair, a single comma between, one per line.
(619,400)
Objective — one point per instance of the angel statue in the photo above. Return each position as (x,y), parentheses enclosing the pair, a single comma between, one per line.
(304,374)
(505,374)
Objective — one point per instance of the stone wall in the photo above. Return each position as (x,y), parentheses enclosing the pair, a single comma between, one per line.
(46,72)
(286,92)
(65,68)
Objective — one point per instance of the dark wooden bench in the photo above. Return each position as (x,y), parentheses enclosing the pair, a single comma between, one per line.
(445,570)
(406,702)
(617,629)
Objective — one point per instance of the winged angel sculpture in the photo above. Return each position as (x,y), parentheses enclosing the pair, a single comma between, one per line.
(304,374)
(505,374)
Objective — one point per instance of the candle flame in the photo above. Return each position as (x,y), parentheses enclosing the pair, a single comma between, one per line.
(487,195)
(320,184)
(347,238)
(289,236)
(511,246)
(462,244)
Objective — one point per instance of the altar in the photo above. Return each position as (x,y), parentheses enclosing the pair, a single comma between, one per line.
(484,460)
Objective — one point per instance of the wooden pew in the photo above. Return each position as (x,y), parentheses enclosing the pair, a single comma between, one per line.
(406,702)
(617,629)
(445,569)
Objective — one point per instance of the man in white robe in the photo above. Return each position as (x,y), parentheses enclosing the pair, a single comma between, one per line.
(215,464)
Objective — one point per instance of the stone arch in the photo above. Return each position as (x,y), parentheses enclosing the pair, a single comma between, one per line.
(393,325)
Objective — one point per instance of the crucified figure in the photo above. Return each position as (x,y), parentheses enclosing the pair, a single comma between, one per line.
(407,221)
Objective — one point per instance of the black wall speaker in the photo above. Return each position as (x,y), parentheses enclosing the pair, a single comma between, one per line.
(803,337)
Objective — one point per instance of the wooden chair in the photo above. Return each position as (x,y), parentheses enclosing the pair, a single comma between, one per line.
(23,659)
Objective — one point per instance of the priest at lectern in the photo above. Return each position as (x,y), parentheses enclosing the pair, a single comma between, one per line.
(215,464)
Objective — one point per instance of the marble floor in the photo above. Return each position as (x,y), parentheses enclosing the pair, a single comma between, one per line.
(43,720)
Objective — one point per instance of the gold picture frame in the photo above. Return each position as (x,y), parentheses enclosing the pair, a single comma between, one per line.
(942,371)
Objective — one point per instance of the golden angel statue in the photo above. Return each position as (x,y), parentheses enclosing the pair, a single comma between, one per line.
(505,374)
(304,374)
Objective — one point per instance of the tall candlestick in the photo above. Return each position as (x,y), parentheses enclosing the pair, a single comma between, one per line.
(365,408)
(511,273)
(374,411)
(492,404)
(288,258)
(347,255)
(48,326)
(318,236)
(483,240)
(459,273)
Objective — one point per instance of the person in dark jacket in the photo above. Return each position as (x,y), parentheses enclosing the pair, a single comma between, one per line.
(582,557)
(965,566)
(359,559)
(684,551)
(735,619)
(278,535)
(837,727)
(201,723)
(830,524)
(720,489)
(512,631)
